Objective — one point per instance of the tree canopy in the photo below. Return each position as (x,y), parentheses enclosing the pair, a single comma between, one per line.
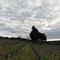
(35,35)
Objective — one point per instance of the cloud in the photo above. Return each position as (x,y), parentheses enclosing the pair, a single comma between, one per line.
(48,10)
(18,16)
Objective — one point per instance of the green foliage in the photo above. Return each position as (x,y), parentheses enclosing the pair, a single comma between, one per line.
(26,50)
(13,49)
(38,52)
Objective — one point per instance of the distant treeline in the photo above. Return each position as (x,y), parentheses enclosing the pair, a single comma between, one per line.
(53,42)
(14,38)
(24,39)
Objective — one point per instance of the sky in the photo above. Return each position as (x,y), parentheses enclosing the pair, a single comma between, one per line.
(18,16)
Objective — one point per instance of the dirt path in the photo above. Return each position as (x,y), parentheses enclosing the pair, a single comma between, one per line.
(27,53)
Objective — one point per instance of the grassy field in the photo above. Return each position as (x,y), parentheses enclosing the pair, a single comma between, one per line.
(52,52)
(24,50)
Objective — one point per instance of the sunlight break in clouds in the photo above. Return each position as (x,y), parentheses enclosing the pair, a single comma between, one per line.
(18,16)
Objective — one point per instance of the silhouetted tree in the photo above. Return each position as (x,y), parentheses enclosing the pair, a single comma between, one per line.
(44,37)
(36,35)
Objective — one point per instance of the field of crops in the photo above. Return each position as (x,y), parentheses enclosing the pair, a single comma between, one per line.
(23,50)
(52,52)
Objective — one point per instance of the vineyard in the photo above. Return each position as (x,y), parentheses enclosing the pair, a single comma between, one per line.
(24,50)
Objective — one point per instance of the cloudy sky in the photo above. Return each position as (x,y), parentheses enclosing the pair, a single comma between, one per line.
(18,16)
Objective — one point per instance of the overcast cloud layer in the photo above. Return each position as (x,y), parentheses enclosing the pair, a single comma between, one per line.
(18,16)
